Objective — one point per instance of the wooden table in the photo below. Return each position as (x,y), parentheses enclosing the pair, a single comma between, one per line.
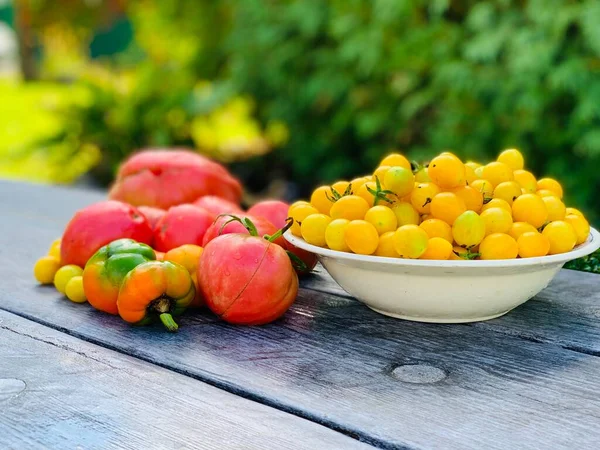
(330,374)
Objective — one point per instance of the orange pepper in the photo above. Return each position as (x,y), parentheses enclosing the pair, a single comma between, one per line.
(155,289)
(188,256)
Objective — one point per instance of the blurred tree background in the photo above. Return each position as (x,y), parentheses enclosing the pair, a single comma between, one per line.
(301,92)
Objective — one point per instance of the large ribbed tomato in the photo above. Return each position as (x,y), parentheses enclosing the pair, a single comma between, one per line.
(164,178)
(247,280)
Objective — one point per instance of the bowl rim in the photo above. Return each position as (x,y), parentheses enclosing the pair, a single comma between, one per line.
(590,245)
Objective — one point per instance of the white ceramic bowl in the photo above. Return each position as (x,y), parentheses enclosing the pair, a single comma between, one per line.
(443,291)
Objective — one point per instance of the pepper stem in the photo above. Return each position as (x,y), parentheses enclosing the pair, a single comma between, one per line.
(168,322)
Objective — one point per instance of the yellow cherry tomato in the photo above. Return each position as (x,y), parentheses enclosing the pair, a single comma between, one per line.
(575,211)
(526,180)
(483,186)
(422,196)
(299,211)
(321,199)
(437,248)
(518,228)
(406,198)
(532,244)
(449,154)
(395,159)
(399,180)
(581,227)
(508,191)
(497,220)
(296,204)
(531,209)
(546,193)
(357,183)
(512,158)
(447,206)
(335,235)
(473,165)
(364,193)
(54,249)
(45,268)
(386,246)
(447,171)
(470,174)
(410,241)
(497,172)
(340,187)
(382,218)
(556,208)
(380,172)
(469,229)
(551,185)
(405,213)
(422,176)
(362,237)
(498,246)
(497,203)
(64,274)
(74,290)
(479,172)
(472,197)
(351,207)
(437,228)
(561,235)
(313,229)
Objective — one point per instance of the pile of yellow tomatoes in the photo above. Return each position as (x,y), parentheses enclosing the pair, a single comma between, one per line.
(446,210)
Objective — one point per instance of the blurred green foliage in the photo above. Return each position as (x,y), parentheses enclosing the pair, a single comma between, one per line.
(341,83)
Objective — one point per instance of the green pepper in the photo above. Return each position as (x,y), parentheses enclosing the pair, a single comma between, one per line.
(104,272)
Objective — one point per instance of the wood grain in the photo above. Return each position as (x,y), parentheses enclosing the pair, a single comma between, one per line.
(60,392)
(332,360)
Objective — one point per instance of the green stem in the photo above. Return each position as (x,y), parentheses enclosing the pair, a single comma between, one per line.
(168,322)
(246,222)
(279,233)
(297,263)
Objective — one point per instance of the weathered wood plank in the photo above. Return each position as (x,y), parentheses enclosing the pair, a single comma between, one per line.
(334,361)
(60,392)
(566,313)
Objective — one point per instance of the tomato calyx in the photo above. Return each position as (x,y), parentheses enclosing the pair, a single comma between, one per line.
(335,195)
(416,167)
(379,193)
(245,221)
(468,255)
(297,263)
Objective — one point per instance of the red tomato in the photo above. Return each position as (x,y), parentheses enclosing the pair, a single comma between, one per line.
(152,214)
(163,178)
(274,211)
(183,224)
(218,205)
(99,224)
(247,280)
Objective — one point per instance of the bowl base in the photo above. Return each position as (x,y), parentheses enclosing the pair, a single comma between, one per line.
(436,319)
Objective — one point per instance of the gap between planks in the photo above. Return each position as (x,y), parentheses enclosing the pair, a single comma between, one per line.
(227,387)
